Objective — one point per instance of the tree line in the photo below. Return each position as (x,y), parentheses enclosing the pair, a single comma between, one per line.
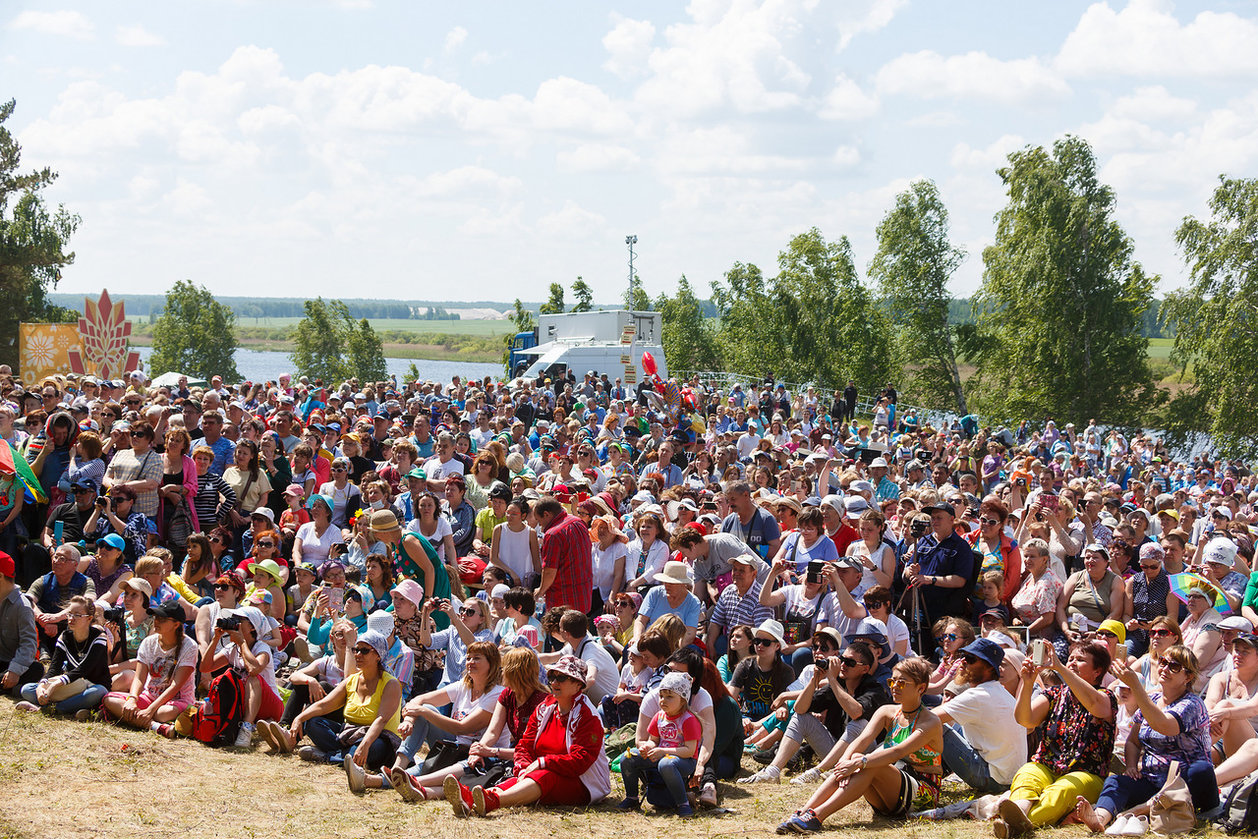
(1059,327)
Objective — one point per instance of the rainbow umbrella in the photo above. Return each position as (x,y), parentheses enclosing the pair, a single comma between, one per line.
(13,465)
(1186,581)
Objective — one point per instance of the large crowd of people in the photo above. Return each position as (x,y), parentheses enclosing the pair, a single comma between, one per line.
(499,593)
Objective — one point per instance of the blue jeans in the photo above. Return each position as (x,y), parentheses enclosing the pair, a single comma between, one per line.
(800,659)
(422,732)
(88,699)
(323,733)
(674,771)
(963,759)
(1121,792)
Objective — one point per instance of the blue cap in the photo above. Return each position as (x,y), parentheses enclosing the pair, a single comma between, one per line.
(986,650)
(114,541)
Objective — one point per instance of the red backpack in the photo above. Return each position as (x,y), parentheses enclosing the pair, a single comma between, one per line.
(216,719)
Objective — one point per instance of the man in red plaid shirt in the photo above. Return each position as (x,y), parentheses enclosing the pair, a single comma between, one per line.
(567,565)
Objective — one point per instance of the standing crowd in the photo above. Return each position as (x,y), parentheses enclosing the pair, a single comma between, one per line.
(498,594)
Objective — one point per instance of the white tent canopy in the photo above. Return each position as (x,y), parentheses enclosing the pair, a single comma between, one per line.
(172,379)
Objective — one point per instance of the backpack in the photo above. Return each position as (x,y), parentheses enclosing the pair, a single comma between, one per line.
(1240,808)
(216,720)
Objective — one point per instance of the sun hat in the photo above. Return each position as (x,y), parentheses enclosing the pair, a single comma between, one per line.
(572,667)
(383,521)
(675,572)
(271,567)
(376,641)
(264,512)
(317,498)
(773,629)
(382,622)
(410,590)
(678,683)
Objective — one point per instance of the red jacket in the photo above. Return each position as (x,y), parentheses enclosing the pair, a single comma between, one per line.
(585,758)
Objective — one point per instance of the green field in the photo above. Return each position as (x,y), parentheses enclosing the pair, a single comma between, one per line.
(1160,348)
(423,327)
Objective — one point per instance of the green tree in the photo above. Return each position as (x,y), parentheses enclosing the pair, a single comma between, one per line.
(912,268)
(1058,329)
(33,242)
(555,305)
(364,352)
(636,298)
(1215,319)
(319,342)
(584,294)
(195,335)
(747,338)
(689,340)
(523,321)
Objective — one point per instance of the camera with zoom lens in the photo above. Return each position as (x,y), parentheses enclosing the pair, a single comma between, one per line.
(917,529)
(115,614)
(228,624)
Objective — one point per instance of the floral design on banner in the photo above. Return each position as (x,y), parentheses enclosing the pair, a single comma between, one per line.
(44,349)
(104,330)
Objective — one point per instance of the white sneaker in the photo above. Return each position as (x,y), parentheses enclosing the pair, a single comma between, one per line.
(811,776)
(355,774)
(1136,826)
(245,738)
(767,775)
(1118,827)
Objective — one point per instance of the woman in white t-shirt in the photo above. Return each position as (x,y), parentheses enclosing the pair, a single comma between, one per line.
(801,609)
(878,605)
(316,537)
(163,685)
(433,526)
(877,558)
(609,554)
(647,553)
(471,701)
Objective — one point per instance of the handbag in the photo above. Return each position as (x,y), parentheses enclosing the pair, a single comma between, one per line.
(1171,809)
(179,528)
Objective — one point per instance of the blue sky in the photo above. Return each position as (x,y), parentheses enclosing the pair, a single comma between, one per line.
(482,151)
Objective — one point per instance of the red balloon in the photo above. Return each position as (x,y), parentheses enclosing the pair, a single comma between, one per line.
(648,363)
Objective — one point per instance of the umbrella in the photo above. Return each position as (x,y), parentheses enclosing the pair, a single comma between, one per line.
(14,466)
(1184,582)
(171,379)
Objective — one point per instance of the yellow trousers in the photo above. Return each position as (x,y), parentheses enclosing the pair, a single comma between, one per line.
(1054,795)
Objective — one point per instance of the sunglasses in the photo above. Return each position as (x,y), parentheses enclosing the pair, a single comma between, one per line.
(1161,633)
(899,682)
(1105,633)
(266,544)
(1170,664)
(362,650)
(339,469)
(559,678)
(951,636)
(848,661)
(468,612)
(764,642)
(876,604)
(989,522)
(214,540)
(1153,566)
(221,586)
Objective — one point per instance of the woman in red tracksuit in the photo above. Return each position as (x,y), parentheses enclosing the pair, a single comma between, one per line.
(560,758)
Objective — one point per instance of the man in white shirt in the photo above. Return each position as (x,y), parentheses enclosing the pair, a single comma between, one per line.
(983,743)
(574,632)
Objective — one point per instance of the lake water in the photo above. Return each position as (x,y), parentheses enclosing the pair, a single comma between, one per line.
(267,365)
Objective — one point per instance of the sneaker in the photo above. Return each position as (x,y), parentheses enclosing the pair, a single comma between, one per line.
(407,786)
(629,804)
(805,822)
(283,741)
(478,801)
(685,811)
(767,775)
(459,796)
(28,707)
(355,774)
(808,776)
(166,730)
(82,715)
(310,753)
(245,738)
(707,795)
(764,756)
(1117,827)
(1136,826)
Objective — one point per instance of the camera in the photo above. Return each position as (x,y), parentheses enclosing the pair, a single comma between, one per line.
(115,614)
(917,529)
(1021,482)
(228,624)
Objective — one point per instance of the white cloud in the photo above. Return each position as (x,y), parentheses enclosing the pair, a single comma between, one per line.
(187,199)
(454,39)
(571,220)
(846,101)
(988,159)
(64,23)
(1155,104)
(628,46)
(846,156)
(1146,39)
(137,36)
(596,157)
(974,75)
(876,16)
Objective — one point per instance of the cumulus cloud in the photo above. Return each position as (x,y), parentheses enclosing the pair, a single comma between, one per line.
(628,45)
(974,75)
(63,23)
(989,158)
(846,101)
(858,21)
(596,157)
(1146,39)
(454,39)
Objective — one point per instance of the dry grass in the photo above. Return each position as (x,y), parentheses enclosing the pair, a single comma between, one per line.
(63,779)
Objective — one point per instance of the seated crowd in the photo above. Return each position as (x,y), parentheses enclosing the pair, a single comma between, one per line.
(498,594)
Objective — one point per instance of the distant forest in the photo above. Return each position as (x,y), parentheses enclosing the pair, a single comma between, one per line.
(150,306)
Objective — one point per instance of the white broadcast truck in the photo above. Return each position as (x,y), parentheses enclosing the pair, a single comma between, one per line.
(610,342)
